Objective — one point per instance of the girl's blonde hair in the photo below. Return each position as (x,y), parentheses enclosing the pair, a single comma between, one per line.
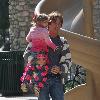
(40,17)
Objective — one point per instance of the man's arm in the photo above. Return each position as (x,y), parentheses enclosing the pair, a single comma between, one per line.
(65,61)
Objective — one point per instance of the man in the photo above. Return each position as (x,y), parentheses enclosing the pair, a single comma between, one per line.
(59,61)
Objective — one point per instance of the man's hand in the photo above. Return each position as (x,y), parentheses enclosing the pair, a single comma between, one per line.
(55,70)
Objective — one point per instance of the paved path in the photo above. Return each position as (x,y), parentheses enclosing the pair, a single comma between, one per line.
(18,98)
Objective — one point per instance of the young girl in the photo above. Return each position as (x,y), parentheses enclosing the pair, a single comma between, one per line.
(38,36)
(34,76)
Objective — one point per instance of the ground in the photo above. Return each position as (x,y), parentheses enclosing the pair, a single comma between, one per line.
(18,98)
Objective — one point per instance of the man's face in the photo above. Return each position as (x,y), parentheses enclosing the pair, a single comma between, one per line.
(58,23)
(55,26)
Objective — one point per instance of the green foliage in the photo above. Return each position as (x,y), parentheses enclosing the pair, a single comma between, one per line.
(70,84)
(76,76)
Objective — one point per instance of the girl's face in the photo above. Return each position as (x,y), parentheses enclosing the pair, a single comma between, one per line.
(43,24)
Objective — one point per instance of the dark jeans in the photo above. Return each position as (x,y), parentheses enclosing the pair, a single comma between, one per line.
(53,88)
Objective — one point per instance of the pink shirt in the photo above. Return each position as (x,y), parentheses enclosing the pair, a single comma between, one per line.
(40,39)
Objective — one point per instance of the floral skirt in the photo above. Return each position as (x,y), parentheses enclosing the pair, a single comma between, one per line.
(34,76)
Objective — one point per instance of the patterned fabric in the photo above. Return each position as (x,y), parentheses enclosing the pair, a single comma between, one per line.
(62,57)
(65,59)
(35,75)
(66,56)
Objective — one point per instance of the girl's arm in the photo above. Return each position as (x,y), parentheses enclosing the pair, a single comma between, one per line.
(29,37)
(48,40)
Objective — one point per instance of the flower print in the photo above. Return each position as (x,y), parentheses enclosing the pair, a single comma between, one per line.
(46,68)
(36,78)
(28,77)
(34,74)
(30,82)
(26,68)
(44,79)
(63,58)
(31,68)
(39,67)
(30,58)
(24,74)
(44,73)
(40,85)
(40,56)
(22,79)
(36,90)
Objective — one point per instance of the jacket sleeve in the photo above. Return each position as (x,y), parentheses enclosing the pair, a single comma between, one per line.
(29,37)
(48,40)
(65,61)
